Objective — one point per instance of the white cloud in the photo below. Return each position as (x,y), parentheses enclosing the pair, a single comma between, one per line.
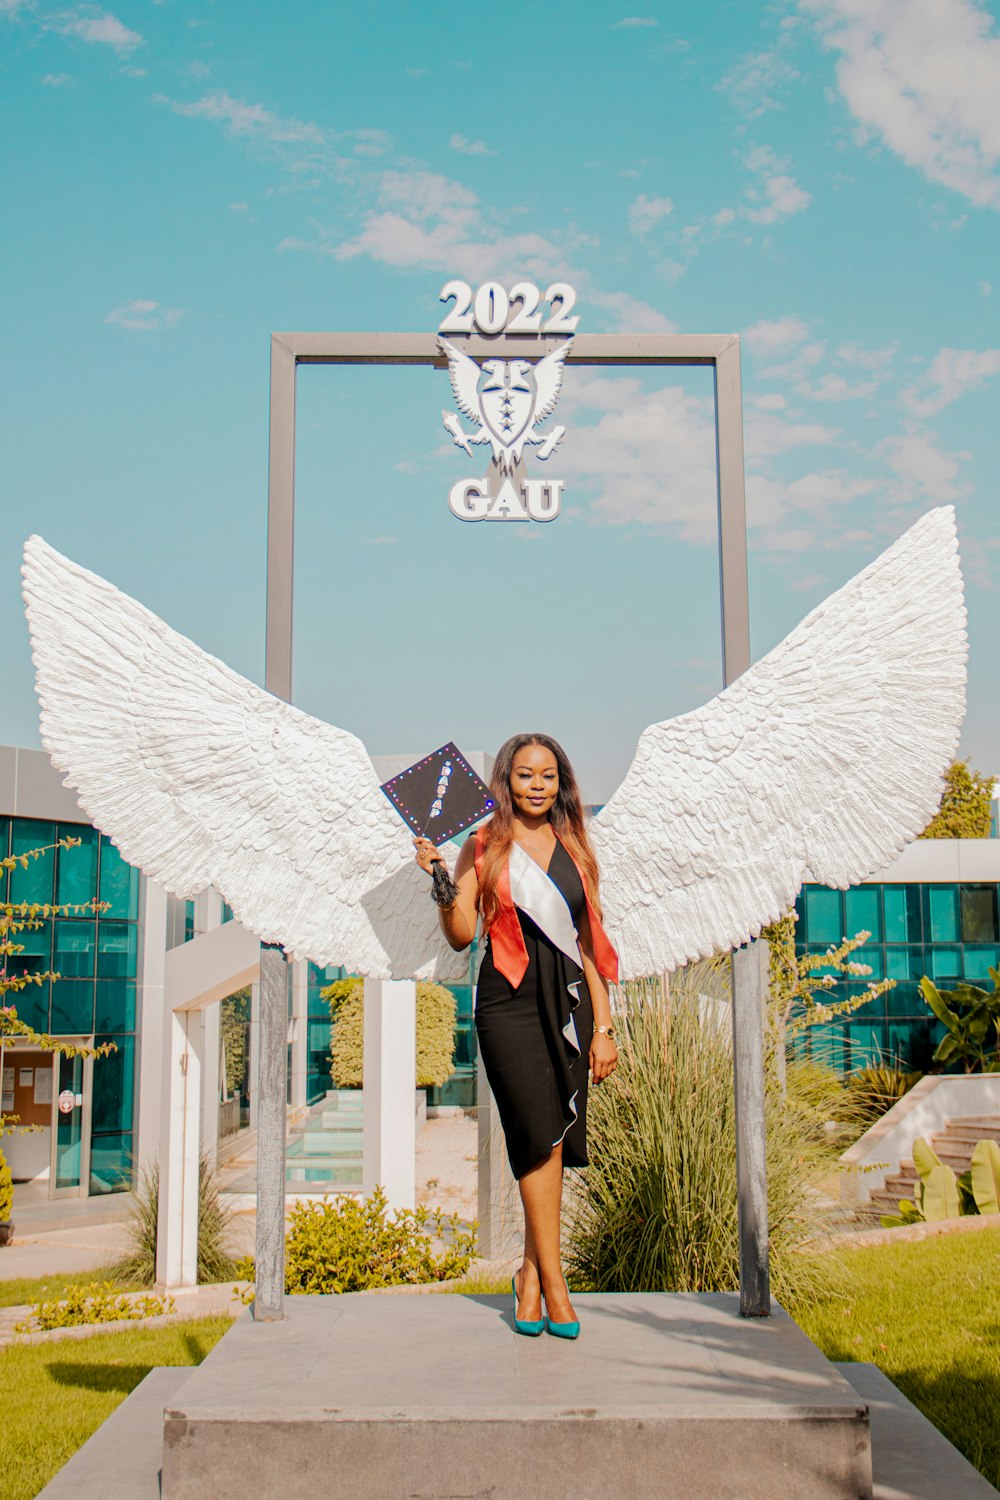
(644,213)
(777,195)
(950,374)
(57,80)
(144,316)
(754,82)
(923,78)
(633,315)
(633,23)
(371,142)
(986,288)
(771,337)
(923,472)
(241,119)
(470,148)
(429,221)
(92,24)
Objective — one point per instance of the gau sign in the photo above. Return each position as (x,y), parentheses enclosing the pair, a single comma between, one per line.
(506,399)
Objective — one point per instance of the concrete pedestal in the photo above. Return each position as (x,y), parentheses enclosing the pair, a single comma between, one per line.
(376,1397)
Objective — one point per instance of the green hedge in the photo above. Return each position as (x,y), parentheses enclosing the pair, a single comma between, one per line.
(6,1190)
(435,1033)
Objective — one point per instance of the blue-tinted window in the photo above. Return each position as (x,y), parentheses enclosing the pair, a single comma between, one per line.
(824,916)
(866,1039)
(115,1009)
(863,911)
(111,1163)
(116,949)
(943,909)
(73,955)
(36,955)
(944,964)
(905,999)
(32,1005)
(902,913)
(828,1045)
(119,883)
(113,1083)
(35,883)
(188,921)
(979,913)
(72,1007)
(977,963)
(76,868)
(905,963)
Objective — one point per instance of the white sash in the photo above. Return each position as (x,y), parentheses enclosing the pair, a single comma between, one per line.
(538,895)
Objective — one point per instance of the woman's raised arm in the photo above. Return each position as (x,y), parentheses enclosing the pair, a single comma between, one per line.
(458,921)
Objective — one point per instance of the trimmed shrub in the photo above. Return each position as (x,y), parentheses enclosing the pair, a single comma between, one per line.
(349,1244)
(435,1033)
(97,1302)
(657,1208)
(6,1190)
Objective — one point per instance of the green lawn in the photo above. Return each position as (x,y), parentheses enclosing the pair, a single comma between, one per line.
(21,1290)
(56,1394)
(928,1314)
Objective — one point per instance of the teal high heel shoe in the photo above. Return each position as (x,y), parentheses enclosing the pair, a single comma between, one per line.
(530,1327)
(563,1330)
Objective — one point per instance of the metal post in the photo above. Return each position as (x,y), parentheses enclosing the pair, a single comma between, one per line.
(271,1087)
(750,965)
(750,973)
(272,1031)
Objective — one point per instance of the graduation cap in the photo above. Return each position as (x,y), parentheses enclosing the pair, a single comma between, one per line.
(440,795)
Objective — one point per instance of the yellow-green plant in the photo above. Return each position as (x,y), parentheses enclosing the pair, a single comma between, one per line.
(347,1244)
(97,1302)
(435,1033)
(6,1190)
(964,812)
(795,981)
(139,1263)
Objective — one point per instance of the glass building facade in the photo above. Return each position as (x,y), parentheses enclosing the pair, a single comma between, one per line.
(96,957)
(948,931)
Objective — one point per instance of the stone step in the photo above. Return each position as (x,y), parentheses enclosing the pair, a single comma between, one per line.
(973,1134)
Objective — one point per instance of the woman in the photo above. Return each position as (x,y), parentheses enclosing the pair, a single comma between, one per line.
(542,1008)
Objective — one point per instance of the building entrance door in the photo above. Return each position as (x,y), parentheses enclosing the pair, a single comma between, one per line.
(71,1129)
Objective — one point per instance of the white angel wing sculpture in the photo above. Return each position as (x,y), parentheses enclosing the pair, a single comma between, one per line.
(548,374)
(202,778)
(463,373)
(820,763)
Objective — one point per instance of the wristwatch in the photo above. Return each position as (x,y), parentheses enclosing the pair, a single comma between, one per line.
(608,1031)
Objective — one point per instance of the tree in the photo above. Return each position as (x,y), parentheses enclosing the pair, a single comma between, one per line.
(16,918)
(794,980)
(965,805)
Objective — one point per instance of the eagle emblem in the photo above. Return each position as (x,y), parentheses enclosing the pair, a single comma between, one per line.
(506,398)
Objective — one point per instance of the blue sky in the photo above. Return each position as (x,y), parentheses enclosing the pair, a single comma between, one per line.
(181,179)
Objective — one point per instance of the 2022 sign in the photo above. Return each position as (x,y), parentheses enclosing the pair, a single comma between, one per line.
(506,398)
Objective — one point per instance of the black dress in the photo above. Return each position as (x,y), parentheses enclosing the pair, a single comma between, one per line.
(535,1039)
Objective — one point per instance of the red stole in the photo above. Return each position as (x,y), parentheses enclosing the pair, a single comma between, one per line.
(507,940)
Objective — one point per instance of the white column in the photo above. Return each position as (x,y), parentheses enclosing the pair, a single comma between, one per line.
(390,1064)
(152,1019)
(211,1082)
(177,1233)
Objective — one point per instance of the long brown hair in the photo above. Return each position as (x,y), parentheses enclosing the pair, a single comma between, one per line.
(566,818)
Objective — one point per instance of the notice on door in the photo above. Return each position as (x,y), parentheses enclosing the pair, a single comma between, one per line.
(7,1091)
(43,1085)
(67,1099)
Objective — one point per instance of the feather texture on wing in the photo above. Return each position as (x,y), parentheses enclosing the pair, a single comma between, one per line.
(201,778)
(464,375)
(819,764)
(548,374)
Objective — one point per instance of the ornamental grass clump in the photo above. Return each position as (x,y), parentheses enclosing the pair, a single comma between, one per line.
(656,1209)
(139,1264)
